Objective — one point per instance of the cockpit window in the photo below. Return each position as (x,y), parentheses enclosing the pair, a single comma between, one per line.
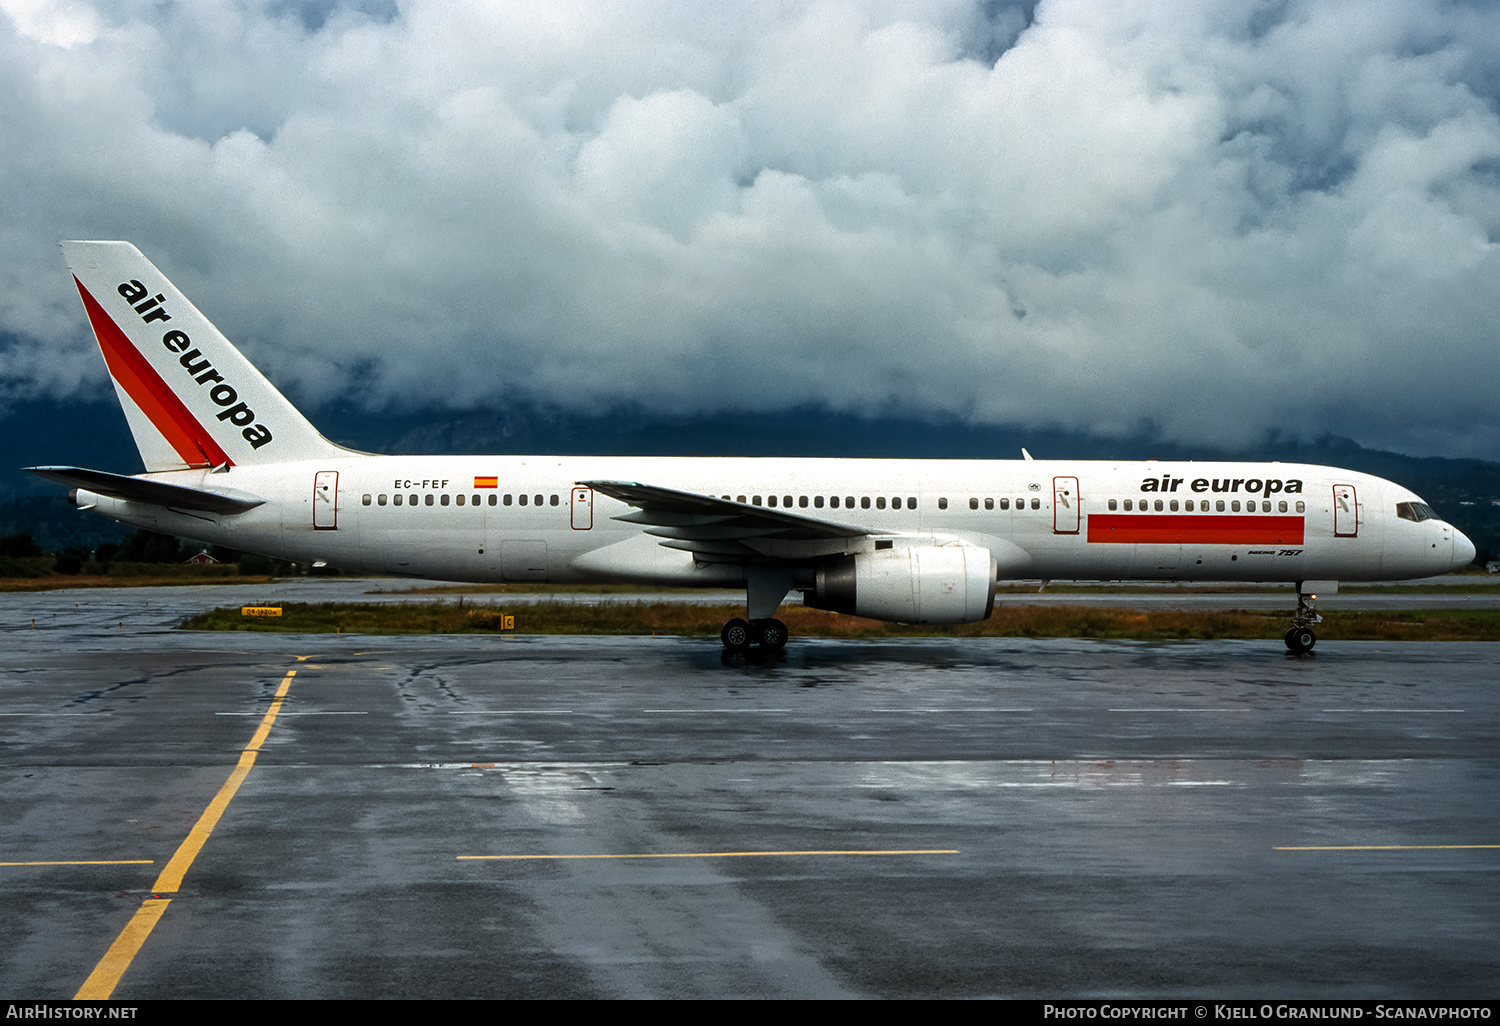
(1415,511)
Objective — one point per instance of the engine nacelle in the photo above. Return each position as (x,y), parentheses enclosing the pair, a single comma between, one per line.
(910,584)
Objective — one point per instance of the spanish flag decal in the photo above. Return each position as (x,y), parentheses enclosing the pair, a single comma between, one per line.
(486,482)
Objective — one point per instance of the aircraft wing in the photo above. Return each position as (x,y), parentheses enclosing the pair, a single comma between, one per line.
(720,530)
(141,489)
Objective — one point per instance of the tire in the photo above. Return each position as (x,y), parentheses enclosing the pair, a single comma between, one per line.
(772,635)
(1300,640)
(737,635)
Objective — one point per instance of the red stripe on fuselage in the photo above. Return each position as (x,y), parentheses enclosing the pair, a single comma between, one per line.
(1202,529)
(147,390)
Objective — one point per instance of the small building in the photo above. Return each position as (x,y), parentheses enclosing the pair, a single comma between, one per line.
(201,559)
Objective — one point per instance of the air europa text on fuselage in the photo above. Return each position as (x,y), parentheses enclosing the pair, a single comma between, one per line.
(1250,485)
(198,367)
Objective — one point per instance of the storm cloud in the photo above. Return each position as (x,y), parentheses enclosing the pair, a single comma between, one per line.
(1215,219)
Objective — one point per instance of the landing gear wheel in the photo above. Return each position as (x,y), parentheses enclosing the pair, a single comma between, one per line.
(737,635)
(773,634)
(1300,640)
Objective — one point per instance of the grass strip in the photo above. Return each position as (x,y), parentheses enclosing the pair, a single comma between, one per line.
(644,617)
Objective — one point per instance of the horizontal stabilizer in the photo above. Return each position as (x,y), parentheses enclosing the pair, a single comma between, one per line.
(141,489)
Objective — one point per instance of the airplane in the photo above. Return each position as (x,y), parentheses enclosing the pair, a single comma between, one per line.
(230,461)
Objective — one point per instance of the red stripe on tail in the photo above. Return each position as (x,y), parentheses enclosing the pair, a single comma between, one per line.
(146,389)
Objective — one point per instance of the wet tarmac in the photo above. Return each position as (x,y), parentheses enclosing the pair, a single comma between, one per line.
(919,818)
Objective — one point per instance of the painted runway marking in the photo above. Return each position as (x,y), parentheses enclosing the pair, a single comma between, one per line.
(712,854)
(510,712)
(1393,710)
(1388,847)
(102,981)
(84,862)
(304,712)
(714,712)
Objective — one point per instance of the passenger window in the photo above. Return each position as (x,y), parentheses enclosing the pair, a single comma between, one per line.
(786,500)
(1005,504)
(989,503)
(366,500)
(1128,505)
(1036,503)
(396,499)
(380,499)
(942,503)
(1188,505)
(880,502)
(1281,506)
(1301,508)
(507,498)
(1219,505)
(494,500)
(555,500)
(771,501)
(536,500)
(427,499)
(973,503)
(817,502)
(849,502)
(802,501)
(444,499)
(1234,505)
(524,499)
(1173,505)
(460,499)
(411,500)
(1158,505)
(755,500)
(475,501)
(739,499)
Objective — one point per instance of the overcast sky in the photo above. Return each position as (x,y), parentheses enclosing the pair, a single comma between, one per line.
(1213,217)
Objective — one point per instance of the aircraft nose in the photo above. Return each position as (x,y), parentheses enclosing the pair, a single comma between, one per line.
(1463,550)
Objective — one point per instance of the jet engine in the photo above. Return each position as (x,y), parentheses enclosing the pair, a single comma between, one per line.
(910,584)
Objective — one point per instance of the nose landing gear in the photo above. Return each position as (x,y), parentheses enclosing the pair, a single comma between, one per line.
(1300,639)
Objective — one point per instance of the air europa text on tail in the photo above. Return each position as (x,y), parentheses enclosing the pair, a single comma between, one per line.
(196,364)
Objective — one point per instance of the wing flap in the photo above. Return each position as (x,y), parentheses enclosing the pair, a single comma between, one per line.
(719,530)
(669,507)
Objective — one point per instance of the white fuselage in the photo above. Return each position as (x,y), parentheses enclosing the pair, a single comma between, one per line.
(462,517)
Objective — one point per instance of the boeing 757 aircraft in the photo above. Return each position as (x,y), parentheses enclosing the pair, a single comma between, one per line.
(229,460)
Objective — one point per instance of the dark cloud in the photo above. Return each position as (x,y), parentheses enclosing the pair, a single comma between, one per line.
(1221,218)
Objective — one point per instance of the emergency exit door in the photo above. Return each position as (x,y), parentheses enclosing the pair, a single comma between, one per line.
(1065,505)
(1345,512)
(583,509)
(325,501)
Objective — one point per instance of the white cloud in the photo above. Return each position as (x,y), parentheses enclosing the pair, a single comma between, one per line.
(1216,217)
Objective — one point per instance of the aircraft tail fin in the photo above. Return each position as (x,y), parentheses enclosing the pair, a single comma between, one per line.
(191,398)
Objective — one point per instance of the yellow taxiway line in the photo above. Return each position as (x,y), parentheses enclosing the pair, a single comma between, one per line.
(1387,847)
(106,975)
(84,862)
(719,854)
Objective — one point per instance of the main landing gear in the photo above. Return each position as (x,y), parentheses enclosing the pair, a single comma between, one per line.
(738,635)
(1300,639)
